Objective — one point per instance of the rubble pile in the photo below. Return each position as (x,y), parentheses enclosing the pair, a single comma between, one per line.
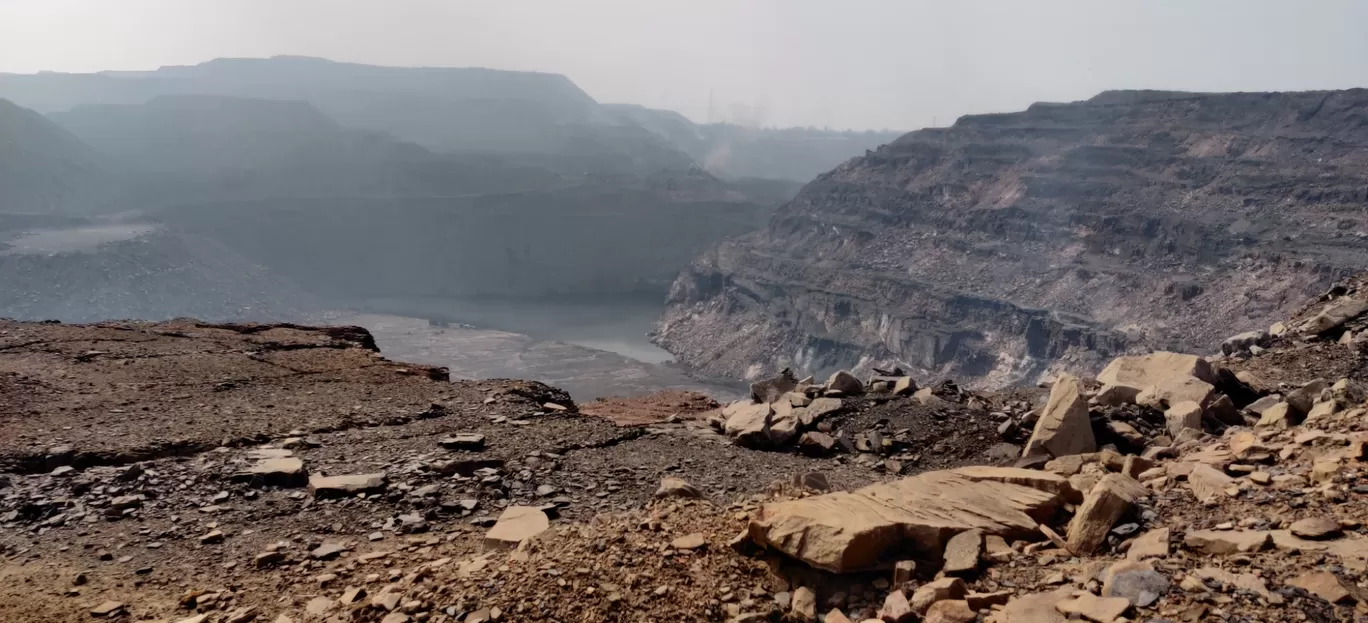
(1170,487)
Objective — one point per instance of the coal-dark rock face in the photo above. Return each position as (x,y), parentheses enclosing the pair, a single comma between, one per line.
(1010,246)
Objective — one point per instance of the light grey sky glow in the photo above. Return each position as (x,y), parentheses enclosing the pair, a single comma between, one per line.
(899,64)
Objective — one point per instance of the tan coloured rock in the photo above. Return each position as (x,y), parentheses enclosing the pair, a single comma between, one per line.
(836,616)
(1222,542)
(1207,483)
(1278,416)
(1093,608)
(515,525)
(1322,584)
(1107,502)
(691,541)
(849,531)
(1152,544)
(671,487)
(1175,390)
(984,601)
(962,553)
(1116,395)
(351,484)
(1335,314)
(275,472)
(904,386)
(1315,528)
(804,605)
(950,611)
(1032,478)
(1322,410)
(1063,427)
(1142,371)
(938,590)
(1243,581)
(1036,608)
(846,383)
(1186,414)
(896,609)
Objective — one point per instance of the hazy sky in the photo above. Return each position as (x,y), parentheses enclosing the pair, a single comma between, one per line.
(843,63)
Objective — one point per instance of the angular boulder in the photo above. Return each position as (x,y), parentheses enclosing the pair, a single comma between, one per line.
(1107,502)
(1142,371)
(1063,427)
(846,383)
(862,529)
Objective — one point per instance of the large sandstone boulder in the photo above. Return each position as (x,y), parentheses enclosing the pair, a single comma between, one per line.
(1063,427)
(762,426)
(1136,373)
(1335,314)
(908,518)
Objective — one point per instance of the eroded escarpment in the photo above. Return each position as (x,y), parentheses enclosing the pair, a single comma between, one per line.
(1009,246)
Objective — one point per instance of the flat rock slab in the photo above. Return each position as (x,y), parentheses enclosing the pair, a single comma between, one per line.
(275,472)
(515,525)
(468,441)
(879,524)
(342,486)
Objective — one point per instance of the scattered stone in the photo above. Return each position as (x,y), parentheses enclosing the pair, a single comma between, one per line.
(328,551)
(1094,608)
(950,611)
(1108,500)
(275,472)
(466,441)
(814,443)
(849,531)
(515,525)
(691,541)
(1323,584)
(319,606)
(846,383)
(962,553)
(904,386)
(903,572)
(1207,483)
(343,486)
(769,390)
(1334,315)
(984,601)
(1063,427)
(1183,415)
(938,590)
(804,604)
(1316,528)
(107,609)
(896,609)
(215,536)
(1221,542)
(1152,544)
(1135,581)
(671,487)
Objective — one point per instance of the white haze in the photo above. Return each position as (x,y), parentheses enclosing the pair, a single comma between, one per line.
(851,64)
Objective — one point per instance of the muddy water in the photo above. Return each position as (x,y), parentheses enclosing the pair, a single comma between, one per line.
(589,348)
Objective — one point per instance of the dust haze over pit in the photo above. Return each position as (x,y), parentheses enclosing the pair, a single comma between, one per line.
(861,65)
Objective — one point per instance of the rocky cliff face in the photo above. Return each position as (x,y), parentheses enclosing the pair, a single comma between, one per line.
(1012,245)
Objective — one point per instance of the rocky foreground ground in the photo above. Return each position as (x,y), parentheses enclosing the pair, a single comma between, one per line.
(186,472)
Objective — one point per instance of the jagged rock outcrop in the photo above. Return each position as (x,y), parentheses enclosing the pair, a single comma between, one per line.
(1009,246)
